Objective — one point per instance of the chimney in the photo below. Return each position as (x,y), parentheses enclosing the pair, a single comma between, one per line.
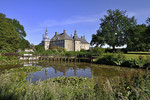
(84,36)
(81,37)
(75,32)
(64,31)
(55,33)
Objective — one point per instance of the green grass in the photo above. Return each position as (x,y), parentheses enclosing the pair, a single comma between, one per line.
(135,55)
(134,52)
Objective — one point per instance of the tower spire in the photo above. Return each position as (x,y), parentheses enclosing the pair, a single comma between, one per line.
(46,38)
(46,28)
(46,32)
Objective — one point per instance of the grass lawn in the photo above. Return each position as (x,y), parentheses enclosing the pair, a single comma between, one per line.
(133,52)
(135,55)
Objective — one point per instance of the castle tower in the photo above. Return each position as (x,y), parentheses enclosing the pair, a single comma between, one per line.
(75,34)
(46,40)
(77,42)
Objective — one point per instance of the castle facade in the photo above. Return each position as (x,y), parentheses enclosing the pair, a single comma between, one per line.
(70,43)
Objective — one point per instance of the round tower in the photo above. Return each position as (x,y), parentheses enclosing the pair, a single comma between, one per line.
(46,40)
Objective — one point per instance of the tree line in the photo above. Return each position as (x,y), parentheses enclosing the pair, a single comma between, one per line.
(12,35)
(117,29)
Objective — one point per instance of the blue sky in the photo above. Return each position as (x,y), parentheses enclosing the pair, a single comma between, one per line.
(57,15)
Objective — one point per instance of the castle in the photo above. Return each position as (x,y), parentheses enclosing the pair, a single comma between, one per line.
(70,43)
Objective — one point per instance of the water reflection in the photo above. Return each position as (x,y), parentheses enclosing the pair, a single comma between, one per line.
(54,69)
(30,63)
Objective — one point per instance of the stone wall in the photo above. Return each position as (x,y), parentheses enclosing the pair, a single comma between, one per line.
(69,45)
(77,45)
(85,46)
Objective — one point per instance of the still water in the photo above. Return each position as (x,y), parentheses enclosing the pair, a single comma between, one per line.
(51,69)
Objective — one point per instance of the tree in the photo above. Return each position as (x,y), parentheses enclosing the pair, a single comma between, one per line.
(148,21)
(19,28)
(113,29)
(9,38)
(22,34)
(137,38)
(39,48)
(147,35)
(24,44)
(31,46)
(98,39)
(12,35)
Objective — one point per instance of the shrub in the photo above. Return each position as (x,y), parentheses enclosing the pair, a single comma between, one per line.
(59,49)
(10,54)
(147,62)
(134,63)
(141,57)
(119,60)
(109,50)
(98,51)
(111,59)
(3,58)
(70,53)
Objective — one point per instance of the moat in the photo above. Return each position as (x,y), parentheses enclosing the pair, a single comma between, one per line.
(51,69)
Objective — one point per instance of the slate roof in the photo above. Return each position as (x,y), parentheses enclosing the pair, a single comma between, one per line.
(65,36)
(83,41)
(76,38)
(62,36)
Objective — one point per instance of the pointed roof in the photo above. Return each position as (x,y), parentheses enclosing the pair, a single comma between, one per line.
(83,41)
(75,37)
(46,29)
(46,32)
(65,36)
(45,37)
(62,36)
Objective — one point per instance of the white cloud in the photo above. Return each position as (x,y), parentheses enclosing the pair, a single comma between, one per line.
(69,21)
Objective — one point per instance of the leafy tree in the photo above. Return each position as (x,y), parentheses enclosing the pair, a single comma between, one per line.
(136,38)
(12,35)
(113,29)
(22,34)
(147,35)
(148,21)
(19,28)
(39,48)
(98,51)
(98,39)
(9,38)
(31,46)
(24,44)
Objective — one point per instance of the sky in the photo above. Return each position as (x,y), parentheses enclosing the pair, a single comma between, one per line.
(71,15)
